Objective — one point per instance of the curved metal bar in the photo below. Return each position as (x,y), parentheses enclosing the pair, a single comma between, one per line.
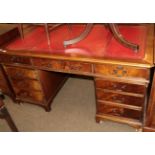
(80,37)
(49,28)
(53,26)
(47,34)
(20,29)
(118,36)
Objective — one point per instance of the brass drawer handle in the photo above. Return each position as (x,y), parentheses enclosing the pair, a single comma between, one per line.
(117,111)
(119,101)
(18,74)
(15,59)
(114,85)
(114,98)
(123,87)
(49,65)
(120,67)
(119,71)
(76,68)
(119,88)
(70,66)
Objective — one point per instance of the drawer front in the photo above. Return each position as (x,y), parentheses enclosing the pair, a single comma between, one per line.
(77,67)
(117,111)
(120,86)
(47,63)
(26,84)
(121,71)
(20,73)
(68,66)
(14,59)
(30,95)
(119,98)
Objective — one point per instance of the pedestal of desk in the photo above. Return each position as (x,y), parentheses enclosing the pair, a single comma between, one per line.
(121,94)
(31,85)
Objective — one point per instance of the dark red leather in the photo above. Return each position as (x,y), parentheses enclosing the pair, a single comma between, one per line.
(99,43)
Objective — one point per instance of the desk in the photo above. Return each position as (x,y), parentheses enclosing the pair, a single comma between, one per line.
(121,76)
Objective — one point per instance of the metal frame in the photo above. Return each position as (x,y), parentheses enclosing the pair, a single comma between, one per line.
(113,27)
(118,36)
(4,114)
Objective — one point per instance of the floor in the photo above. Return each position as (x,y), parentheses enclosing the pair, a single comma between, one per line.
(73,109)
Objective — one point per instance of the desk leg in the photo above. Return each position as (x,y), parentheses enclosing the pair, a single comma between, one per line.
(7,117)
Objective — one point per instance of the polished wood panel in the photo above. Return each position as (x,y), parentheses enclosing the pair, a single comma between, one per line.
(47,63)
(51,83)
(122,71)
(27,84)
(124,97)
(20,72)
(69,66)
(117,111)
(119,98)
(29,95)
(120,86)
(11,59)
(34,86)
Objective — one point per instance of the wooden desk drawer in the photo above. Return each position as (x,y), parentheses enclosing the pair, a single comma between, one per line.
(14,59)
(117,111)
(20,73)
(120,86)
(47,63)
(121,71)
(76,67)
(26,84)
(119,98)
(61,65)
(30,95)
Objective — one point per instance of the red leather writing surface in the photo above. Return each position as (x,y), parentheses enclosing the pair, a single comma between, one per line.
(99,43)
(134,34)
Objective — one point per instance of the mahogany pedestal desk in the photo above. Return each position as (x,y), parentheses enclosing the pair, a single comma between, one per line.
(33,71)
